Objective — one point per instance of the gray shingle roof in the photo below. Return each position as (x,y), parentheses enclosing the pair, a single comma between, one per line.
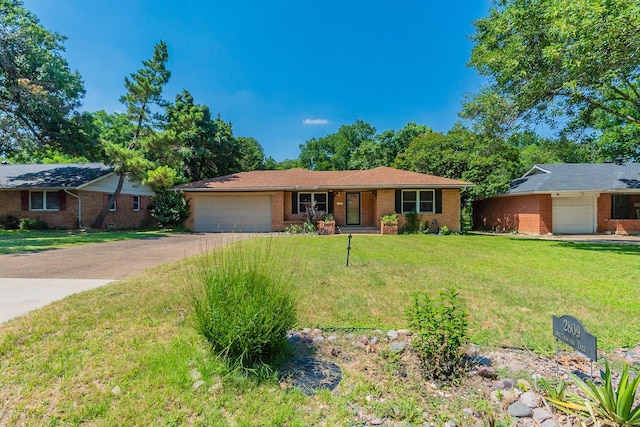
(69,175)
(610,177)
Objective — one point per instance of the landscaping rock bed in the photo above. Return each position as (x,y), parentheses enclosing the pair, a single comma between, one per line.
(505,377)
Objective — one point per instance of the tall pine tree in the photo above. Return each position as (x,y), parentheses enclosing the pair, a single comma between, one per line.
(144,91)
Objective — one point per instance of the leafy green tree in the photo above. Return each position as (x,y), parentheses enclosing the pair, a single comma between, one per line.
(462,154)
(271,164)
(38,91)
(394,143)
(251,154)
(370,154)
(567,62)
(435,153)
(614,137)
(385,147)
(490,113)
(534,149)
(333,151)
(144,91)
(195,144)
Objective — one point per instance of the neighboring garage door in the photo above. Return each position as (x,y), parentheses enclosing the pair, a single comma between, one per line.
(233,213)
(573,215)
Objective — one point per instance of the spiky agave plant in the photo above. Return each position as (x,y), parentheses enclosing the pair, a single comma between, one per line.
(614,406)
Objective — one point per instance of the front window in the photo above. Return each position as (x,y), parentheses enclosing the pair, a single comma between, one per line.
(113,206)
(625,206)
(44,201)
(310,199)
(420,201)
(136,203)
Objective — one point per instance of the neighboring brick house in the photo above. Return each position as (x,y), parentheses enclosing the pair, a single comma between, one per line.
(572,198)
(263,201)
(71,195)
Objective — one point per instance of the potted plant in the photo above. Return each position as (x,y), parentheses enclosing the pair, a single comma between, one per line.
(327,225)
(389,223)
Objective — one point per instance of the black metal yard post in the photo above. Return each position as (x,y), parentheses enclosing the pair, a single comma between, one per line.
(348,249)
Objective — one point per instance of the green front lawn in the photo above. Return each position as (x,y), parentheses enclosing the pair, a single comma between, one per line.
(512,286)
(127,354)
(12,242)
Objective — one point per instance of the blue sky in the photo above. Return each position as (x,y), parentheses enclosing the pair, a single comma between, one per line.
(281,72)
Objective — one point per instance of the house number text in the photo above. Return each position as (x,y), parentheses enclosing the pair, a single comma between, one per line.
(572,332)
(571,328)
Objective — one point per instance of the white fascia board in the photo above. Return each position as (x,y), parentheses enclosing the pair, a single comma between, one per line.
(535,168)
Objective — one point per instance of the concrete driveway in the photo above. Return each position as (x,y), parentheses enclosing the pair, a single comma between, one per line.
(34,279)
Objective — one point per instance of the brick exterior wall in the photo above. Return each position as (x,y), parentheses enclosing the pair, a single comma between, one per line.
(278,209)
(604,213)
(450,216)
(124,215)
(385,204)
(529,214)
(618,226)
(373,205)
(92,203)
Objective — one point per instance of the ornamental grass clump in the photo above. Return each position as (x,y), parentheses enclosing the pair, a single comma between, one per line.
(441,329)
(244,305)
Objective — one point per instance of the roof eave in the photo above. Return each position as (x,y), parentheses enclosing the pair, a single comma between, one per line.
(321,187)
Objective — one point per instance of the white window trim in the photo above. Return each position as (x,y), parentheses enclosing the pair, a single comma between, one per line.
(133,203)
(417,191)
(313,198)
(44,201)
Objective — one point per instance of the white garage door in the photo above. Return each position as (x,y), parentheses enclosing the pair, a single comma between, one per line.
(573,215)
(233,213)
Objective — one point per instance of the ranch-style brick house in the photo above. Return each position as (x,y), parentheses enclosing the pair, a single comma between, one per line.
(71,195)
(566,199)
(265,201)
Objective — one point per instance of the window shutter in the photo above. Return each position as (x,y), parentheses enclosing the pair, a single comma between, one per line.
(24,200)
(294,203)
(330,203)
(131,202)
(398,201)
(105,199)
(62,200)
(438,201)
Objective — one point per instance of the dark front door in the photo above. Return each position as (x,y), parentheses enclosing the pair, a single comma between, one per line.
(353,208)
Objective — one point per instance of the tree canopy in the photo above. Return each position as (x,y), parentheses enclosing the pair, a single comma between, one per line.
(573,63)
(333,152)
(38,91)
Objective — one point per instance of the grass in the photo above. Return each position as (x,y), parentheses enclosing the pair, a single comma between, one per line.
(12,242)
(60,365)
(512,287)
